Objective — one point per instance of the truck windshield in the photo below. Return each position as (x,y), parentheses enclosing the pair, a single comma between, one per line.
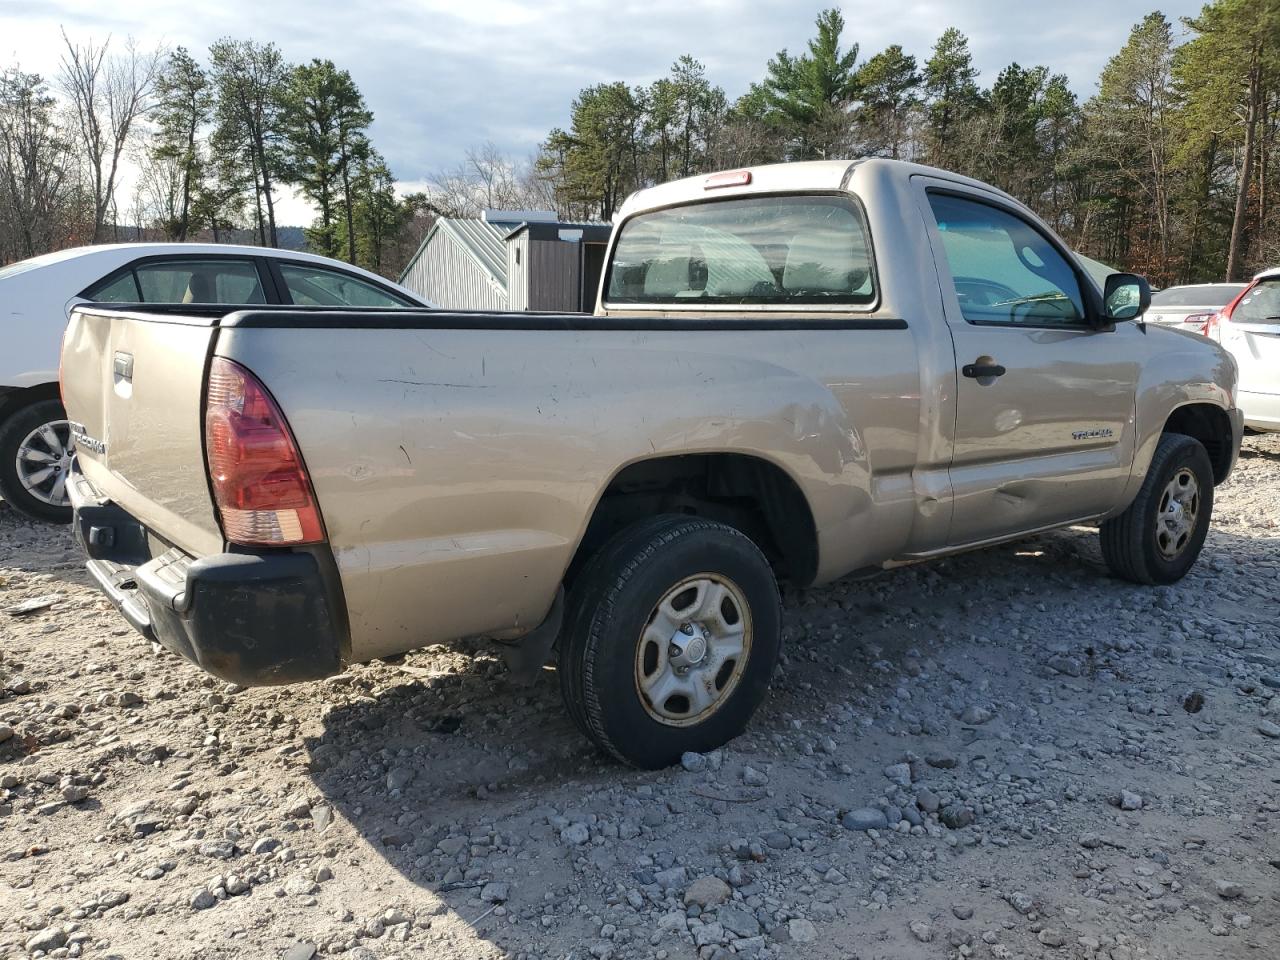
(751,250)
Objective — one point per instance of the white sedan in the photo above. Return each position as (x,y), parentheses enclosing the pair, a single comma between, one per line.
(37,295)
(1249,327)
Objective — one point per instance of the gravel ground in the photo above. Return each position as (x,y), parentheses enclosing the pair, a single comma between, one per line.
(1004,754)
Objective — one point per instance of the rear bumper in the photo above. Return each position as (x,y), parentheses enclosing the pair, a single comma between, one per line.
(1261,410)
(256,618)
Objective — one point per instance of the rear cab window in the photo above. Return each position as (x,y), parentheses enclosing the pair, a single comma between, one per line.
(765,250)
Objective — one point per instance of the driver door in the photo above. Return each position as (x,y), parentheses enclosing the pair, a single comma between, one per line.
(1044,429)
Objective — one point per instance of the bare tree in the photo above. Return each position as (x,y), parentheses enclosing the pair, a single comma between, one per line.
(108,96)
(487,180)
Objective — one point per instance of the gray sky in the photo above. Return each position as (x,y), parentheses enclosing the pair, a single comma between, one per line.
(442,76)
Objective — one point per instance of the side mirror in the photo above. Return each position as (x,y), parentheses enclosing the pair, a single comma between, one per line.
(1125,297)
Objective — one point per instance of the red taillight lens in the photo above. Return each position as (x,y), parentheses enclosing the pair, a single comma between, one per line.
(1210,326)
(259,482)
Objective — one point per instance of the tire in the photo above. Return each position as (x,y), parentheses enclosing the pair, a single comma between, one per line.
(1137,545)
(14,432)
(615,653)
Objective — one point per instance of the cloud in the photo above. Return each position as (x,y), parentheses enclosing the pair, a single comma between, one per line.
(443,76)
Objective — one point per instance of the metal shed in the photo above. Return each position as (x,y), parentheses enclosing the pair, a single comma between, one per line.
(509,260)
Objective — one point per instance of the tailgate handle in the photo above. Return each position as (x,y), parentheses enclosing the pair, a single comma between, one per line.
(123,366)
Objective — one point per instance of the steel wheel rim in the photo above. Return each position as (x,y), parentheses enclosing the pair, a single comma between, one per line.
(44,460)
(1176,515)
(693,650)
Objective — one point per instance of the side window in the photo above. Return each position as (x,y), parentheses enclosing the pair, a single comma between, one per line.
(122,289)
(1259,305)
(1004,270)
(318,287)
(200,281)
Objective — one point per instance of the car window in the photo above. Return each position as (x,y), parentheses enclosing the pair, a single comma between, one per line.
(1004,270)
(753,250)
(121,289)
(1197,295)
(200,281)
(318,287)
(1260,305)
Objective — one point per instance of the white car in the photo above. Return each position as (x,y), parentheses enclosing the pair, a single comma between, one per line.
(1249,327)
(1189,307)
(36,296)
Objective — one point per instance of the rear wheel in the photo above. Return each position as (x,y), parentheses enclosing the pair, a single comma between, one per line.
(673,635)
(1158,539)
(35,458)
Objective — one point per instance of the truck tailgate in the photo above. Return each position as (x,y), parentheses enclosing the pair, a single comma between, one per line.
(133,387)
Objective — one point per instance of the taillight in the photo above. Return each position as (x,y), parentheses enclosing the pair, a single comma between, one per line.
(1213,326)
(1210,326)
(260,485)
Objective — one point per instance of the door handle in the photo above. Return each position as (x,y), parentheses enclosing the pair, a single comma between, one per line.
(981,370)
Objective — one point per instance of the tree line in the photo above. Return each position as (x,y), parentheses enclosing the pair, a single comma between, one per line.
(212,143)
(1168,169)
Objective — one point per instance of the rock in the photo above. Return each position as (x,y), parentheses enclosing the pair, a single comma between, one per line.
(693,762)
(957,817)
(265,845)
(1068,666)
(6,733)
(75,794)
(753,777)
(297,808)
(236,885)
(671,878)
(47,940)
(922,930)
(321,817)
(575,835)
(1269,729)
(707,892)
(738,921)
(1228,889)
(299,951)
(942,761)
(1052,937)
(899,773)
(217,849)
(865,818)
(1130,801)
(962,911)
(399,778)
(1022,902)
(495,892)
(202,899)
(300,885)
(452,846)
(928,801)
(801,931)
(976,715)
(323,873)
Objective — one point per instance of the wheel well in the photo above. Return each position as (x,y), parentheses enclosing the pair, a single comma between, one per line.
(747,493)
(1209,425)
(13,400)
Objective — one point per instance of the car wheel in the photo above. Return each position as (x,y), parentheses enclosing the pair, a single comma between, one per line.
(1158,539)
(35,457)
(673,634)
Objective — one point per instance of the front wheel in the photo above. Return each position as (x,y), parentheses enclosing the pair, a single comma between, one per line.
(35,458)
(673,634)
(1158,539)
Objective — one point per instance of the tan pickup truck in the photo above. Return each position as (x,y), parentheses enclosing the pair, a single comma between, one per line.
(795,372)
